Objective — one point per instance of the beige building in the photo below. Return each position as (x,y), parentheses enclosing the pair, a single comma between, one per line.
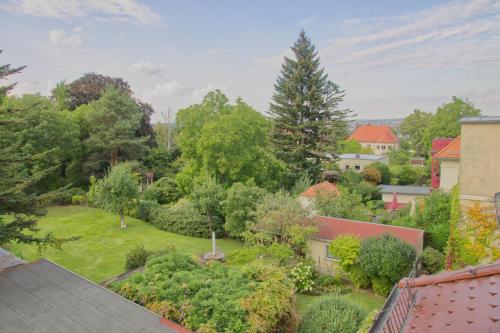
(449,164)
(479,172)
(357,162)
(330,228)
(404,194)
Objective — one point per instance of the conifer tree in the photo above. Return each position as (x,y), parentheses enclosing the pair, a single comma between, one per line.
(308,122)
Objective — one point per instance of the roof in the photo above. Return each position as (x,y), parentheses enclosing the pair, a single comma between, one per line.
(374,133)
(440,143)
(44,297)
(323,187)
(481,120)
(370,157)
(466,300)
(450,151)
(330,228)
(405,189)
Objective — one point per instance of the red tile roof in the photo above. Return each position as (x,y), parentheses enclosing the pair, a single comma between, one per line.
(374,133)
(450,151)
(323,187)
(467,300)
(330,228)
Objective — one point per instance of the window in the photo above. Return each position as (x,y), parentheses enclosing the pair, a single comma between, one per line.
(383,147)
(369,146)
(347,167)
(357,167)
(378,146)
(329,255)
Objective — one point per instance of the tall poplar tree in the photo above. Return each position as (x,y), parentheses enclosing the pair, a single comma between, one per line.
(308,121)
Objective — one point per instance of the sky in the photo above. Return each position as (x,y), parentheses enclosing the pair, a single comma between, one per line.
(390,57)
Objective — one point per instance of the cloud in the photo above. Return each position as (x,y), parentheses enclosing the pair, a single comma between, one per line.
(108,10)
(149,68)
(60,37)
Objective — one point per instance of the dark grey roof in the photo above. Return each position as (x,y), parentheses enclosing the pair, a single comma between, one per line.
(44,297)
(7,260)
(481,120)
(370,157)
(404,189)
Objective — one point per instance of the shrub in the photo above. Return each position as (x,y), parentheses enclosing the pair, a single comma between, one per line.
(386,257)
(66,197)
(79,199)
(372,175)
(164,191)
(407,176)
(385,172)
(346,248)
(432,260)
(302,276)
(184,218)
(359,278)
(275,254)
(147,209)
(136,257)
(332,314)
(368,322)
(327,284)
(381,285)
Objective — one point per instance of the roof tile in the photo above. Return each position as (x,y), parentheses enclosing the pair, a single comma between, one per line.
(320,188)
(374,133)
(450,151)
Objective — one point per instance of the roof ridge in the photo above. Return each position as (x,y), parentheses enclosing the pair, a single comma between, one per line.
(373,223)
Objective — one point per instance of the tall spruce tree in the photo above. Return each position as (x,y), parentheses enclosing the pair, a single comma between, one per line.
(308,122)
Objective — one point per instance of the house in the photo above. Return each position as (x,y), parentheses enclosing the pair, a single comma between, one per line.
(306,198)
(449,163)
(44,297)
(466,300)
(380,138)
(357,162)
(330,228)
(404,194)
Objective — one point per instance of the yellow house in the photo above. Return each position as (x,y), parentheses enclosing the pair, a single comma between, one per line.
(449,164)
(379,138)
(357,162)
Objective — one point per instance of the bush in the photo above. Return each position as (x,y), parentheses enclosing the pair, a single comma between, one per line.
(79,199)
(346,248)
(136,257)
(381,286)
(66,197)
(164,191)
(184,218)
(372,175)
(432,261)
(385,172)
(359,278)
(386,257)
(146,210)
(332,314)
(302,276)
(327,284)
(407,176)
(368,322)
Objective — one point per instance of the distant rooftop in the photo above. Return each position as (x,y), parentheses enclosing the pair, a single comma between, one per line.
(44,297)
(405,189)
(320,188)
(450,151)
(374,133)
(481,120)
(369,157)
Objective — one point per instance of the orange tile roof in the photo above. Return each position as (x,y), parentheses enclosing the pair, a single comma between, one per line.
(450,151)
(374,133)
(323,187)
(466,300)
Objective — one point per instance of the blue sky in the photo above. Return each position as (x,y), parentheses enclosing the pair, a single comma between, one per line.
(390,56)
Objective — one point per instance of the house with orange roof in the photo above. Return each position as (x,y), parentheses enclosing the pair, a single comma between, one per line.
(307,197)
(449,165)
(380,138)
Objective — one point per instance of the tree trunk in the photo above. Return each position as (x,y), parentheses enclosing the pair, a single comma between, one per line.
(209,215)
(114,158)
(123,225)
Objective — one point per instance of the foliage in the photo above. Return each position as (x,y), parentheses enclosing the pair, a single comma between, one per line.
(115,191)
(136,257)
(332,314)
(114,119)
(368,322)
(302,276)
(275,254)
(249,298)
(446,121)
(355,183)
(385,172)
(358,277)
(399,157)
(163,191)
(432,260)
(307,119)
(413,129)
(346,248)
(381,285)
(79,199)
(147,210)
(185,218)
(386,257)
(407,176)
(207,197)
(5,71)
(239,207)
(161,162)
(353,147)
(301,184)
(434,217)
(372,175)
(347,205)
(281,217)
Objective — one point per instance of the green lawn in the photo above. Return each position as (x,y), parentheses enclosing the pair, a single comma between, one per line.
(100,252)
(364,298)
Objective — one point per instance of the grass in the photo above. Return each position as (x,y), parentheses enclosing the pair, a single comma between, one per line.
(363,298)
(100,252)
